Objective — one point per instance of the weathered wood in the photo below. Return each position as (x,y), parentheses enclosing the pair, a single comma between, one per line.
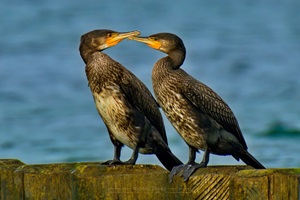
(208,183)
(121,182)
(47,181)
(95,181)
(266,184)
(9,187)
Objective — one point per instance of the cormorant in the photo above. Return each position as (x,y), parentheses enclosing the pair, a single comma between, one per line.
(199,115)
(124,103)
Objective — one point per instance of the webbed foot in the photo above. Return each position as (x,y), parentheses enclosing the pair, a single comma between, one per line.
(190,169)
(119,162)
(112,162)
(130,162)
(175,171)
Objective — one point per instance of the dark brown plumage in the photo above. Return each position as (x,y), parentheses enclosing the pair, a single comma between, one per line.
(126,106)
(198,114)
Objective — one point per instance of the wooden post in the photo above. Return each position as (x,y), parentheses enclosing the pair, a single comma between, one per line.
(121,182)
(266,184)
(95,181)
(47,181)
(10,182)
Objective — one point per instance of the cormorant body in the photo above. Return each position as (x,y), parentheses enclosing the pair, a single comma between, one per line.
(124,103)
(199,115)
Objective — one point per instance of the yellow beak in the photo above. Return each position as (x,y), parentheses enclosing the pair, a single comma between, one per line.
(147,40)
(115,38)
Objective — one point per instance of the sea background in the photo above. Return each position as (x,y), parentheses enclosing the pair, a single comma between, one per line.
(247,51)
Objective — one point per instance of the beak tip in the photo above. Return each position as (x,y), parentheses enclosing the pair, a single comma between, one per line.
(136,33)
(131,37)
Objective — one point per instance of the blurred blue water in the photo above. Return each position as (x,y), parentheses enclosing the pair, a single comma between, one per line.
(247,51)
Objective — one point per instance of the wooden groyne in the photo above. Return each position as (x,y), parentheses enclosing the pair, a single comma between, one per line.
(94,181)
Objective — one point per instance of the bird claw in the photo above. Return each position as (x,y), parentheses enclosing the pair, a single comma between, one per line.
(188,172)
(129,162)
(190,169)
(175,171)
(119,162)
(112,162)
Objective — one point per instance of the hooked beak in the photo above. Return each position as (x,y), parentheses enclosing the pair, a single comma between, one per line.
(115,38)
(151,42)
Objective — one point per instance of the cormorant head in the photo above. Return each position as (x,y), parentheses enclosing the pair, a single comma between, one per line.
(99,40)
(165,42)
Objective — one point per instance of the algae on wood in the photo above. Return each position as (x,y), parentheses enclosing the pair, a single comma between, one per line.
(212,182)
(121,182)
(266,184)
(95,181)
(11,184)
(47,181)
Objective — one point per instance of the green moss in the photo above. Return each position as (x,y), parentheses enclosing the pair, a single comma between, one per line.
(8,163)
(264,172)
(96,181)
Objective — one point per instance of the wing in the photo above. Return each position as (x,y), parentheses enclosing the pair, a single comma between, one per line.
(212,105)
(144,101)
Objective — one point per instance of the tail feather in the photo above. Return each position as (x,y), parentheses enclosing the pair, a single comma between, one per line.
(166,157)
(250,160)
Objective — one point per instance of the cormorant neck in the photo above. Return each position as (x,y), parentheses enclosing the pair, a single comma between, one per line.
(85,52)
(177,56)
